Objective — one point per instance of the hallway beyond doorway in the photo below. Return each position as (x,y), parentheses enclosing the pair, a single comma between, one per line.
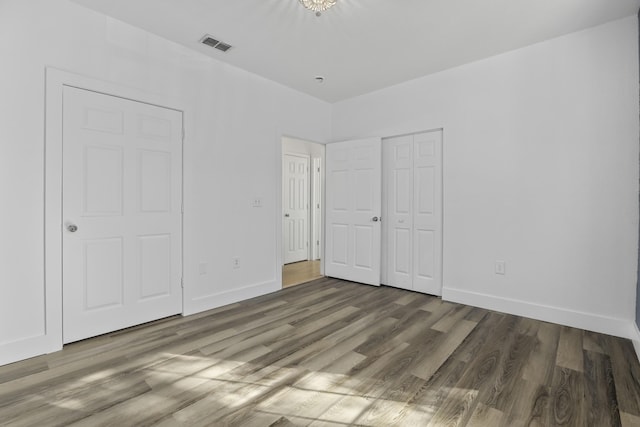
(300,272)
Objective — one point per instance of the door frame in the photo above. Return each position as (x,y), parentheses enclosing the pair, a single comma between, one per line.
(309,200)
(280,152)
(56,80)
(316,213)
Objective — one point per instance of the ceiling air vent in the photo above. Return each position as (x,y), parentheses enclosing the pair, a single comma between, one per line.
(223,46)
(210,41)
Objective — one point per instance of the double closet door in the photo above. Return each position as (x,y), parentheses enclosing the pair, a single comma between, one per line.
(412,206)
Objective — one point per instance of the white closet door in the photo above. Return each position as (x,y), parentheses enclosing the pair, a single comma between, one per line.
(353,199)
(427,217)
(296,208)
(398,178)
(413,216)
(122,197)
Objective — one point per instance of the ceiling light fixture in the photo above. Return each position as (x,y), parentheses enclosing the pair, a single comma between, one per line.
(318,6)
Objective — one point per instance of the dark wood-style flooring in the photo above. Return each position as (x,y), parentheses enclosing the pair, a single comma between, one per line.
(332,353)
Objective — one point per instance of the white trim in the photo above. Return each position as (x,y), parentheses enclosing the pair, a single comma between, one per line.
(577,319)
(279,232)
(316,213)
(51,339)
(209,302)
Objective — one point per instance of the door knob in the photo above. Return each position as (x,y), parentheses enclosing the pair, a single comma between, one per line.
(286,215)
(374,219)
(72,228)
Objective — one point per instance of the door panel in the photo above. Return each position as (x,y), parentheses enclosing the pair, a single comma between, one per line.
(364,235)
(103,274)
(364,193)
(104,120)
(155,265)
(425,249)
(155,181)
(413,203)
(102,180)
(296,208)
(425,194)
(398,162)
(122,180)
(428,214)
(353,201)
(401,261)
(339,244)
(156,128)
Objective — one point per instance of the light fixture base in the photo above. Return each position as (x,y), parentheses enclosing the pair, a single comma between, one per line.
(318,5)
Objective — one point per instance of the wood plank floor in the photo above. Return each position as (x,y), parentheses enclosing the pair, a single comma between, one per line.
(300,272)
(332,353)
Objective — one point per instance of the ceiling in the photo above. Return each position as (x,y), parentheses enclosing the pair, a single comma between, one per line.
(360,46)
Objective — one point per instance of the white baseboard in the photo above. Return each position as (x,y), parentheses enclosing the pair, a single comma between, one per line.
(211,301)
(577,319)
(28,347)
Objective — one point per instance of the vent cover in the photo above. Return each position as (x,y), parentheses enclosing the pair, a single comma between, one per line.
(223,46)
(217,44)
(210,41)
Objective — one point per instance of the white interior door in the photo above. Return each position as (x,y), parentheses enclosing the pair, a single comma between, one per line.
(295,225)
(398,179)
(353,206)
(427,218)
(122,197)
(413,208)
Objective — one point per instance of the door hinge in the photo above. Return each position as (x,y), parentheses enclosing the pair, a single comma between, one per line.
(183,133)
(182,282)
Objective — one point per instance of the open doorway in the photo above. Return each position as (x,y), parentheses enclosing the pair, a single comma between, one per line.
(302,205)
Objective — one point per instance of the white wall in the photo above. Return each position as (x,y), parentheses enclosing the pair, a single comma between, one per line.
(295,145)
(540,170)
(231,156)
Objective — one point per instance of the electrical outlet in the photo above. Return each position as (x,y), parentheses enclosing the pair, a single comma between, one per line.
(235,262)
(256,202)
(500,267)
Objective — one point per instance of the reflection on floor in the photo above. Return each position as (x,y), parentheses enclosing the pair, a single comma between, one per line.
(300,272)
